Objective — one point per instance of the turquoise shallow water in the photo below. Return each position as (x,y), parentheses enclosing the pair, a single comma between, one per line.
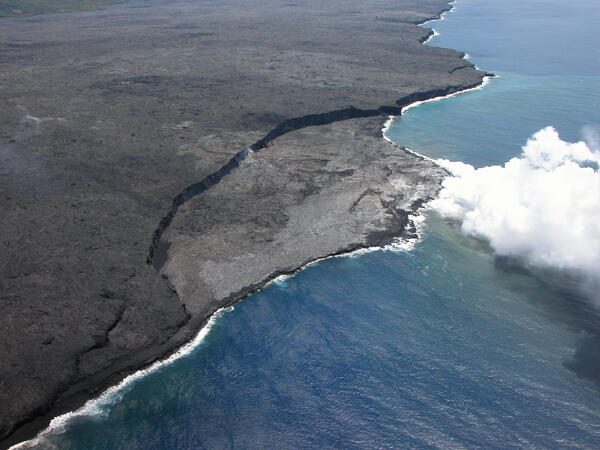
(548,62)
(443,346)
(490,125)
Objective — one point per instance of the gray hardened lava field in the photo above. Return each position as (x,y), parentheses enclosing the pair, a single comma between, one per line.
(109,116)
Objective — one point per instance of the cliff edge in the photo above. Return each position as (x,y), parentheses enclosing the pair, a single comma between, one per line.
(111,122)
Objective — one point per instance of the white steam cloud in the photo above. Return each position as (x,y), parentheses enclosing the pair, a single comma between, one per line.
(542,207)
(592,137)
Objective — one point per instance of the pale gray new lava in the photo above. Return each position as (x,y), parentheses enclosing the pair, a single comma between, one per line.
(108,116)
(313,193)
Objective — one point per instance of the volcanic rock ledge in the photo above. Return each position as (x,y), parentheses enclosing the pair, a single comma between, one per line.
(312,193)
(108,115)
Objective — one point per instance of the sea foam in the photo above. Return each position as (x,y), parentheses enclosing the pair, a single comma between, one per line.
(100,406)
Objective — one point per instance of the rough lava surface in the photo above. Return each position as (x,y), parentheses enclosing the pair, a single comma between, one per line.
(107,116)
(315,192)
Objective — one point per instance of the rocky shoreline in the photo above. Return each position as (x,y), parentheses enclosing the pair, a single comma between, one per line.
(285,127)
(77,295)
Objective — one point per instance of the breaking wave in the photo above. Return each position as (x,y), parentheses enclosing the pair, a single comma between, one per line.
(100,407)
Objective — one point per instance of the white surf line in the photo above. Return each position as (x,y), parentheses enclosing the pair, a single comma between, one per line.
(485,81)
(451,3)
(113,394)
(399,244)
(95,406)
(419,218)
(403,244)
(435,32)
(431,36)
(109,396)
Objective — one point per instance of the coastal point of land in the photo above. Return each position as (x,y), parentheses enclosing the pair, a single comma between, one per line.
(160,160)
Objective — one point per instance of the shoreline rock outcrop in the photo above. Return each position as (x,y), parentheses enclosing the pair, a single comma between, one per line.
(109,114)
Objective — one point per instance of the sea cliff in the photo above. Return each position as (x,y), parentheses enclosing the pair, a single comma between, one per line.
(237,142)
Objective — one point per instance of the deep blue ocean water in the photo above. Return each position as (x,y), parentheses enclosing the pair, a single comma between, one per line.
(442,346)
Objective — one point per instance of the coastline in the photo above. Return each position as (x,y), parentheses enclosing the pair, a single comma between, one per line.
(388,123)
(465,56)
(192,333)
(333,320)
(93,401)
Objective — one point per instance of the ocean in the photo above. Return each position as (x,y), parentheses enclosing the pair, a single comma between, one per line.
(445,345)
